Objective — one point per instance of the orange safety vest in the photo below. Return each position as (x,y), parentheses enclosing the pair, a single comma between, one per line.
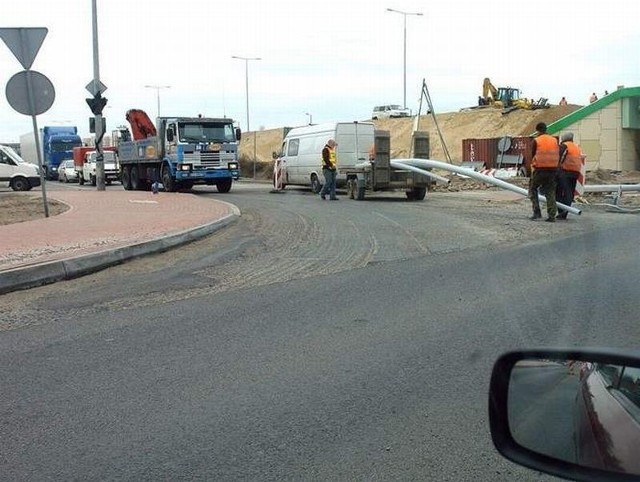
(547,152)
(573,160)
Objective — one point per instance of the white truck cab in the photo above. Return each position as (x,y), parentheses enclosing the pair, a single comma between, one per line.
(110,167)
(21,175)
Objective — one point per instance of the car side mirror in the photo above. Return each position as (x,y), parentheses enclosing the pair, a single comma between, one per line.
(571,413)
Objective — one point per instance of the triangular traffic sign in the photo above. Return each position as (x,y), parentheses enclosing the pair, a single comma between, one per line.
(24,42)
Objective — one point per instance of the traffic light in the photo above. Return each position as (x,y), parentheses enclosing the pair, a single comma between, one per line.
(97,103)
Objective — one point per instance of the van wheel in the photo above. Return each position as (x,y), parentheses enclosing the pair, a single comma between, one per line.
(20,183)
(315,184)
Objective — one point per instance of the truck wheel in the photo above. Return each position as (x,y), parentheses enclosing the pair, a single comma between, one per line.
(316,186)
(20,183)
(417,194)
(167,180)
(135,178)
(224,185)
(93,180)
(359,191)
(126,178)
(80,180)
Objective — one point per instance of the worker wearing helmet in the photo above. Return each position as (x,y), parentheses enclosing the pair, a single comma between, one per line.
(571,160)
(546,157)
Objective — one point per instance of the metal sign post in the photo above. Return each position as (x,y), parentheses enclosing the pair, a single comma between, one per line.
(29,92)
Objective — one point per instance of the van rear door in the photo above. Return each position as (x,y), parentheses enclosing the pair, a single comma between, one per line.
(354,141)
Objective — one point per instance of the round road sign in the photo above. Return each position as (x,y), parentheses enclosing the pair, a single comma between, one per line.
(42,92)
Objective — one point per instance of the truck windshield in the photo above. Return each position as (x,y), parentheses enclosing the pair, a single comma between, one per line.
(210,132)
(64,146)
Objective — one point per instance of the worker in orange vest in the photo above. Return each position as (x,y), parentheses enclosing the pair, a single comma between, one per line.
(546,157)
(570,165)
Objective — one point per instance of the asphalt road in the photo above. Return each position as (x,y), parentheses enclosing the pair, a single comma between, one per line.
(309,341)
(542,409)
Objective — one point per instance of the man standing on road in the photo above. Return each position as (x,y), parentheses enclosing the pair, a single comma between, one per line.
(546,156)
(570,166)
(329,170)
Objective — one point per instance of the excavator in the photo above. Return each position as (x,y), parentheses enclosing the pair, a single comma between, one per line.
(507,98)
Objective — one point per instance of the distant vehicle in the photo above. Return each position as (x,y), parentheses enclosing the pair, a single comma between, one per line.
(67,171)
(56,145)
(389,112)
(21,175)
(301,153)
(179,152)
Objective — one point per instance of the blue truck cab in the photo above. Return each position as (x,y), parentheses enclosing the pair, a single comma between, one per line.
(182,151)
(57,146)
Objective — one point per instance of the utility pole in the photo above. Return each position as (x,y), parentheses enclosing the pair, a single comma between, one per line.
(246,81)
(404,14)
(97,103)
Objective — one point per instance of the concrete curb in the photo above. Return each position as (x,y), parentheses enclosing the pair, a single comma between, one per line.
(50,272)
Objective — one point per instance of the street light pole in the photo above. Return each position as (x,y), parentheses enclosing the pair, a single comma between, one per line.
(158,87)
(404,14)
(246,84)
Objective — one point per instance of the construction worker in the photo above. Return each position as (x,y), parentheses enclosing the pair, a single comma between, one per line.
(329,170)
(546,156)
(570,165)
(563,101)
(593,98)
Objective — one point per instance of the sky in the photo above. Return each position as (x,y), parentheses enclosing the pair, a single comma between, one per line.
(320,60)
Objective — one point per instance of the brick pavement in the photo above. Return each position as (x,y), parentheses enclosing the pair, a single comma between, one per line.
(103,220)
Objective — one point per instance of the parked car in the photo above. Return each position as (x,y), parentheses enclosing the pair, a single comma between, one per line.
(67,171)
(389,111)
(21,175)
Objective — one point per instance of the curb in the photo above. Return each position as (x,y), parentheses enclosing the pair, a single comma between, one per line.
(53,271)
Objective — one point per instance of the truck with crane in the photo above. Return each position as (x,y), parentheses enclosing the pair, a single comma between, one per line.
(178,152)
(56,145)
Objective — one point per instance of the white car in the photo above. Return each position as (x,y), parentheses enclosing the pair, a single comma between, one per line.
(389,111)
(67,171)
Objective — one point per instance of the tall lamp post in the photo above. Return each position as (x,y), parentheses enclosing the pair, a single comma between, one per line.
(157,87)
(404,14)
(246,83)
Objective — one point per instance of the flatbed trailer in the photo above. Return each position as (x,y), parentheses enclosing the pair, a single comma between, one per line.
(378,175)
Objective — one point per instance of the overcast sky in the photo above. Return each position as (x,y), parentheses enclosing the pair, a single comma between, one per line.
(331,59)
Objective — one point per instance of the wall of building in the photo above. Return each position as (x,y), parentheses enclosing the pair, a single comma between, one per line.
(609,137)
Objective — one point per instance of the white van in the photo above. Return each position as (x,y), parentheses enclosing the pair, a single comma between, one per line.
(301,154)
(21,175)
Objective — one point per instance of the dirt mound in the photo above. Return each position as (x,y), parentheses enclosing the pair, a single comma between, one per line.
(455,126)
